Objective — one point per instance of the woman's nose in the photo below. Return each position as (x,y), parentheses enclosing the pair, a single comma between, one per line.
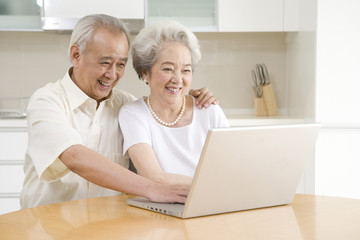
(177,77)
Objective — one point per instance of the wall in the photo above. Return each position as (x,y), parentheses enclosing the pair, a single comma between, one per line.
(28,60)
(337,100)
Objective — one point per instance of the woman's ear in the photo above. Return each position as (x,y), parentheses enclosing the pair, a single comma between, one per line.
(75,54)
(145,76)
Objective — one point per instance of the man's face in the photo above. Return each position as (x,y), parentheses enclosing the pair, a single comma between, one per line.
(99,68)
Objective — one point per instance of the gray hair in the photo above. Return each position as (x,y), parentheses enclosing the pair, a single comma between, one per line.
(86,26)
(151,40)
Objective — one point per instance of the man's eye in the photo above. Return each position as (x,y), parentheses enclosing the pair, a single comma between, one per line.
(105,63)
(167,69)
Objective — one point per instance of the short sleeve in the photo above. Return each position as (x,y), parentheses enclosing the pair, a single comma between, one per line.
(50,133)
(220,118)
(133,125)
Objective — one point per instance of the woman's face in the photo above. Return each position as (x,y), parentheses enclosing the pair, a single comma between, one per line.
(171,75)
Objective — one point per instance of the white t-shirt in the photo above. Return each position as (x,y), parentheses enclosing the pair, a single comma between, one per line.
(61,115)
(177,149)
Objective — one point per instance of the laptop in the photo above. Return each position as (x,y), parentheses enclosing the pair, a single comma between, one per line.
(244,168)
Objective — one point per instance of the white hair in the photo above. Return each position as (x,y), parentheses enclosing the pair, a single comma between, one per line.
(151,40)
(86,26)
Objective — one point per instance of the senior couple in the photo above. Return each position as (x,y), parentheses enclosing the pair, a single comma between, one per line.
(82,130)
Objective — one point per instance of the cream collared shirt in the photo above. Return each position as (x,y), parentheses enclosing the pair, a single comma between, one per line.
(61,115)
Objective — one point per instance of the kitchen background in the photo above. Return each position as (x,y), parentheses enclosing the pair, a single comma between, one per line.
(284,40)
(310,48)
(29,60)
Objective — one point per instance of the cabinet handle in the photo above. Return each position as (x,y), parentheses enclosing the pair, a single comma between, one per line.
(9,195)
(12,162)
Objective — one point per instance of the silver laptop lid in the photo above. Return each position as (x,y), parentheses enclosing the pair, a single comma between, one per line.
(250,167)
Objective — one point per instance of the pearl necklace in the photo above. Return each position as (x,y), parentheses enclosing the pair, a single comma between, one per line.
(163,122)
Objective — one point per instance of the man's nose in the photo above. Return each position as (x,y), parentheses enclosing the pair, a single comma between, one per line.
(111,73)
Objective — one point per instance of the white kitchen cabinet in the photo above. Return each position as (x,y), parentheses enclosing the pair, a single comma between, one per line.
(199,16)
(258,15)
(292,15)
(63,14)
(9,204)
(20,15)
(11,177)
(133,9)
(13,144)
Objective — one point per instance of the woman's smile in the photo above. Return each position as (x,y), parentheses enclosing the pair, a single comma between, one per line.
(173,90)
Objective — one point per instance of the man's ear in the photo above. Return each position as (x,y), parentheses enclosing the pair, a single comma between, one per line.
(75,54)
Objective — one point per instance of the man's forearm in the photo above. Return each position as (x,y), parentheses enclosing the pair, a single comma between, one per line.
(101,171)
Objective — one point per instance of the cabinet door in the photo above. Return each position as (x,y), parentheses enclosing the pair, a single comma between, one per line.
(133,9)
(19,15)
(13,146)
(9,205)
(292,15)
(11,179)
(199,16)
(251,15)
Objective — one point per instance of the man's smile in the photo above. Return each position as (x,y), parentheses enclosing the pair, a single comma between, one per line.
(104,84)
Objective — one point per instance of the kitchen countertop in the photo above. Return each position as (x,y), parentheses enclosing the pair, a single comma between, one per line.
(233,121)
(307,217)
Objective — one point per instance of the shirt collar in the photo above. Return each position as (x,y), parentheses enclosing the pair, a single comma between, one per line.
(75,95)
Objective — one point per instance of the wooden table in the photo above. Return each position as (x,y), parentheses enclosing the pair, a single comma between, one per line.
(308,217)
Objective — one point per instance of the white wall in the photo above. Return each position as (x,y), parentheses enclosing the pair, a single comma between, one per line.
(337,98)
(338,64)
(301,47)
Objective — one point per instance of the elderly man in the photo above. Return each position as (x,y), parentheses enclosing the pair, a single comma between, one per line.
(75,143)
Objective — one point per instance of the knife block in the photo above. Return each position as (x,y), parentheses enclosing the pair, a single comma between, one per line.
(260,107)
(269,100)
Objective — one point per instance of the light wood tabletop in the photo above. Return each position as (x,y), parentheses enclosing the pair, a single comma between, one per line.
(308,217)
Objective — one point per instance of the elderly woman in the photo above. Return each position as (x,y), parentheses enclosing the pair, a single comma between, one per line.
(164,132)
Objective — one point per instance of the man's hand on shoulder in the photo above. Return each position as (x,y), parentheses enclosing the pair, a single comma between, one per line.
(203,97)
